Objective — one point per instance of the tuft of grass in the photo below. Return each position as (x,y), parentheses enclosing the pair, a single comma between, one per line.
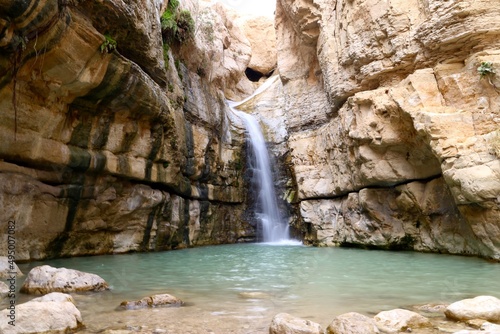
(109,44)
(486,69)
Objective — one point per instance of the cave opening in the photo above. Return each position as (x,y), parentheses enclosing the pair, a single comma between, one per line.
(253,75)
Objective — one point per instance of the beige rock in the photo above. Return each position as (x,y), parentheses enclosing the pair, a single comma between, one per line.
(7,269)
(261,34)
(4,290)
(54,314)
(352,323)
(284,323)
(400,320)
(45,279)
(153,301)
(481,307)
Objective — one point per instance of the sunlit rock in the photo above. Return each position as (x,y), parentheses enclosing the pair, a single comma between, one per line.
(8,267)
(53,313)
(163,300)
(481,307)
(284,323)
(400,320)
(352,323)
(46,279)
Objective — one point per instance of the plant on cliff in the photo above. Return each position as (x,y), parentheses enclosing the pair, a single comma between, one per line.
(109,44)
(486,69)
(176,25)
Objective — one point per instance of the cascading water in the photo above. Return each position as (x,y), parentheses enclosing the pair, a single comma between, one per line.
(274,228)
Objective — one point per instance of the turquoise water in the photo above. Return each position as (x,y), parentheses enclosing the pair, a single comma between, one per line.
(315,283)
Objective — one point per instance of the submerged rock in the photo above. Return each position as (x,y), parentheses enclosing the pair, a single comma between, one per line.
(163,300)
(352,323)
(54,313)
(45,279)
(481,307)
(284,323)
(400,320)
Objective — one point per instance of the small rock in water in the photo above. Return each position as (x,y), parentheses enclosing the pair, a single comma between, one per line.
(254,295)
(164,300)
(46,279)
(481,307)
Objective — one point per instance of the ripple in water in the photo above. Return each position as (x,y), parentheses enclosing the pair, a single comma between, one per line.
(239,288)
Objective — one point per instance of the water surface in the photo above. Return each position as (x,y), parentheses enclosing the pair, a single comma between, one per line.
(239,288)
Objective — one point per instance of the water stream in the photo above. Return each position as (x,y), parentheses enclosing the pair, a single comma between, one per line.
(239,288)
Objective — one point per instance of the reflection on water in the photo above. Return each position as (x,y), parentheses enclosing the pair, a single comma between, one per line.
(239,288)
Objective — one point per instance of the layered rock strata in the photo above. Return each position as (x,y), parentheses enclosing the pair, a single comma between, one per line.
(393,135)
(120,150)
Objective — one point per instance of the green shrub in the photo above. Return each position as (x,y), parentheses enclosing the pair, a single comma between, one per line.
(109,44)
(176,26)
(486,69)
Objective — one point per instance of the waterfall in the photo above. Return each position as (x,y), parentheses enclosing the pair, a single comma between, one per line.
(274,227)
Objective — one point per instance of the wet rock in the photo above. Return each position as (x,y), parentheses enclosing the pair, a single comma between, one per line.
(57,310)
(45,279)
(481,307)
(284,323)
(5,268)
(400,320)
(163,300)
(254,295)
(352,323)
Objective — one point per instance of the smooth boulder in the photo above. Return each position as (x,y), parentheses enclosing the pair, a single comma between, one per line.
(481,307)
(352,323)
(53,313)
(400,320)
(4,290)
(163,300)
(284,323)
(46,279)
(7,268)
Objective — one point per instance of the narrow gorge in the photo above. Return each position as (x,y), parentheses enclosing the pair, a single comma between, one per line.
(116,136)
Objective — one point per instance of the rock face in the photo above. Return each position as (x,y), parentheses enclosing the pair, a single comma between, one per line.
(46,279)
(481,307)
(393,135)
(153,301)
(110,151)
(54,313)
(284,323)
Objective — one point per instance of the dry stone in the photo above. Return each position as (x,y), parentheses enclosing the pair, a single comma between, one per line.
(284,323)
(6,269)
(400,320)
(352,323)
(481,307)
(45,279)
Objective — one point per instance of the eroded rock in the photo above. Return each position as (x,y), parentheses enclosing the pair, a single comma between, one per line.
(54,313)
(481,307)
(6,268)
(284,323)
(400,320)
(352,323)
(46,279)
(163,300)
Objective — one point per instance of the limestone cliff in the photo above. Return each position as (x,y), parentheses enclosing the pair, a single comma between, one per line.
(112,139)
(393,135)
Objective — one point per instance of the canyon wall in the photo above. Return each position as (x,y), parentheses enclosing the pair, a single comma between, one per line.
(393,134)
(114,148)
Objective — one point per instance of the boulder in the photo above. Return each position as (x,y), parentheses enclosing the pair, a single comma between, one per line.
(400,320)
(5,268)
(481,307)
(4,290)
(45,279)
(54,313)
(352,323)
(163,300)
(284,323)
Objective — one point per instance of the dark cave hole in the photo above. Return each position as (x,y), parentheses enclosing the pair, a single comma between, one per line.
(253,75)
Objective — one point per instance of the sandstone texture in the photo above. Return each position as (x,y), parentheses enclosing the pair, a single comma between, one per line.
(481,307)
(392,131)
(45,279)
(352,323)
(53,313)
(162,300)
(284,323)
(128,149)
